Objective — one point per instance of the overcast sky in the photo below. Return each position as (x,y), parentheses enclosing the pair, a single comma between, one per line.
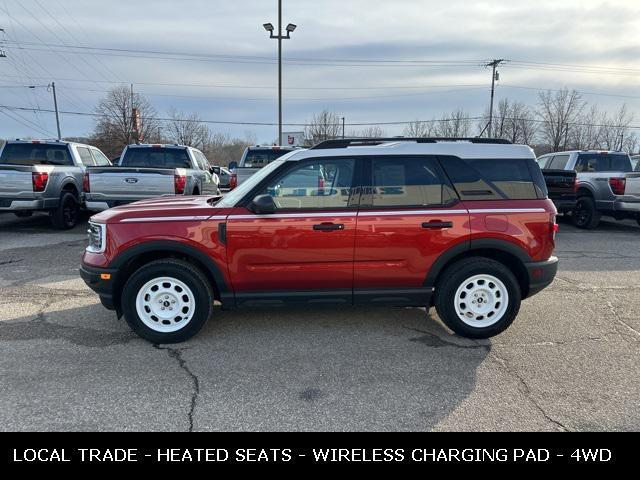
(333,60)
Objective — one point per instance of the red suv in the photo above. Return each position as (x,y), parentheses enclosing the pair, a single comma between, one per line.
(461,224)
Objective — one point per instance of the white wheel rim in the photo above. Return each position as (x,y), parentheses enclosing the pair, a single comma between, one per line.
(165,304)
(481,301)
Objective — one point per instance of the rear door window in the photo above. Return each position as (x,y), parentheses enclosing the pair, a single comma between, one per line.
(151,157)
(558,162)
(99,158)
(85,156)
(407,182)
(494,178)
(35,154)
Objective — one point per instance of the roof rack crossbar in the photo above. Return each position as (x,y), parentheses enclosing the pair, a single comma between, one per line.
(346,142)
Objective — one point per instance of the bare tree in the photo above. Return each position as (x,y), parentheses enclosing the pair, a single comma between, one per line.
(417,129)
(455,124)
(559,112)
(116,124)
(323,126)
(186,129)
(222,149)
(373,131)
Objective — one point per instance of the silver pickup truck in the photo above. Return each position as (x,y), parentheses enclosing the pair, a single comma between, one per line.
(46,176)
(253,159)
(606,184)
(146,171)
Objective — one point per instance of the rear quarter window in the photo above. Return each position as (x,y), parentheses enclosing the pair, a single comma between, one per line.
(495,178)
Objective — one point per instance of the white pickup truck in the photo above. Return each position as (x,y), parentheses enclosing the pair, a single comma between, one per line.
(146,171)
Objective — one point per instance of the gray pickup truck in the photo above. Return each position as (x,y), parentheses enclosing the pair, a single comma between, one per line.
(46,176)
(253,159)
(606,185)
(147,171)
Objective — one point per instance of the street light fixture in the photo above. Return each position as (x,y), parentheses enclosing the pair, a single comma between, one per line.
(269,28)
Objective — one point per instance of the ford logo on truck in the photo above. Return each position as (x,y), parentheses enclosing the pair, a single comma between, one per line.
(131,180)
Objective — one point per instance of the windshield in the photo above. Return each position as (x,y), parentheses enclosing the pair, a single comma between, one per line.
(35,154)
(156,158)
(235,195)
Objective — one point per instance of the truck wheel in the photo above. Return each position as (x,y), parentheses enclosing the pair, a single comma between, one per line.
(66,215)
(23,213)
(585,214)
(167,301)
(477,297)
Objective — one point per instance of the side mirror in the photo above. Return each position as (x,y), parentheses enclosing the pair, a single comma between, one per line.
(263,204)
(233,166)
(215,170)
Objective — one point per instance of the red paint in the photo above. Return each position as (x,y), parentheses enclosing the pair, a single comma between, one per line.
(271,253)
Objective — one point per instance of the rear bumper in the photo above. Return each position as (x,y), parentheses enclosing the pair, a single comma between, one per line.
(12,204)
(564,204)
(96,279)
(628,206)
(541,274)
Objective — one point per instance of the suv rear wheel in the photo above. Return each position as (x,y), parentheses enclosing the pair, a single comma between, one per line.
(477,297)
(167,301)
(585,214)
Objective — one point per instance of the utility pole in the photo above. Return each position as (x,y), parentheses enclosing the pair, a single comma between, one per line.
(269,28)
(55,105)
(494,76)
(342,127)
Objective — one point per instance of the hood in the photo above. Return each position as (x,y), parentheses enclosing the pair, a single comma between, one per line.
(153,208)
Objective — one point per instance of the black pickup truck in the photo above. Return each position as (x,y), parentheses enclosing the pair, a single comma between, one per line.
(562,186)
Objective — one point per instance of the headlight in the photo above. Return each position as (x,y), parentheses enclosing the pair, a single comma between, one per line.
(97,237)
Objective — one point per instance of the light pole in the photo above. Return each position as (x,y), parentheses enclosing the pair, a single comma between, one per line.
(269,28)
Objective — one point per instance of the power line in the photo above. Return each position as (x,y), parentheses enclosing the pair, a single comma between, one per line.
(401,122)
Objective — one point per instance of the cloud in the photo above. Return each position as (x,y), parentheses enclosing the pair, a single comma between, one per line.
(573,32)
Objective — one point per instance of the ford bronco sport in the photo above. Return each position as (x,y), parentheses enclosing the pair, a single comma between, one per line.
(464,225)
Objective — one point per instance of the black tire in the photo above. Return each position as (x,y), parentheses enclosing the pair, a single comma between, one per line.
(455,276)
(195,191)
(23,213)
(183,271)
(585,215)
(66,215)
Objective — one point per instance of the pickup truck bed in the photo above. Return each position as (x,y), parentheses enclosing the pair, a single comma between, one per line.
(148,171)
(561,185)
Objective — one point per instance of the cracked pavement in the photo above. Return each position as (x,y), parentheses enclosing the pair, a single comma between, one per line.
(570,361)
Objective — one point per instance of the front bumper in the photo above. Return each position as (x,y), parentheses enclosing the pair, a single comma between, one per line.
(102,281)
(541,274)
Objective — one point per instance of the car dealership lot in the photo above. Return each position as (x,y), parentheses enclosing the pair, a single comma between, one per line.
(570,361)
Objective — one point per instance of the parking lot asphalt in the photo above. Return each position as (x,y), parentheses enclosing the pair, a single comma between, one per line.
(571,361)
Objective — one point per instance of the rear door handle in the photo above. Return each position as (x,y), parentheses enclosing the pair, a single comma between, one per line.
(326,227)
(437,225)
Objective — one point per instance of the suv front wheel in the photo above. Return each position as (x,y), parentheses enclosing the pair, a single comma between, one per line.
(167,301)
(477,297)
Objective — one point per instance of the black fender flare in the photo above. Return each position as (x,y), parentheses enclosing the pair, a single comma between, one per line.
(175,246)
(469,246)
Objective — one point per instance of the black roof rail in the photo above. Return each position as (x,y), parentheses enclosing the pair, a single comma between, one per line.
(346,142)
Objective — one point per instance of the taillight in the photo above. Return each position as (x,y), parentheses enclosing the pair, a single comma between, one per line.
(179,182)
(86,184)
(320,182)
(575,185)
(233,181)
(618,185)
(39,180)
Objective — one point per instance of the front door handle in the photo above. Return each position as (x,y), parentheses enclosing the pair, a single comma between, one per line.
(326,227)
(437,224)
